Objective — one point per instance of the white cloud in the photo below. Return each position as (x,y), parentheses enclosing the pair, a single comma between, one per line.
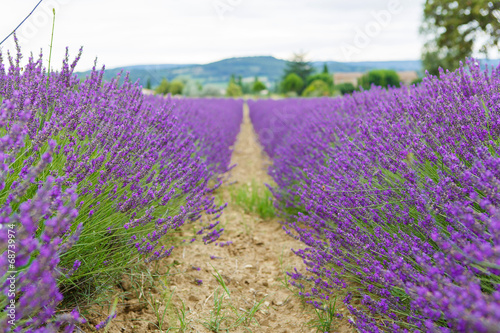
(199,31)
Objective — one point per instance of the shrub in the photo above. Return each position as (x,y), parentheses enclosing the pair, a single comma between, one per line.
(345,88)
(94,176)
(176,87)
(233,90)
(325,77)
(379,77)
(163,88)
(292,83)
(400,195)
(258,86)
(316,89)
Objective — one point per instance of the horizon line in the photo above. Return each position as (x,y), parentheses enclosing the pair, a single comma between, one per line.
(262,56)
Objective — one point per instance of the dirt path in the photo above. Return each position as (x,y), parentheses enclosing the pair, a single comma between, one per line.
(252,267)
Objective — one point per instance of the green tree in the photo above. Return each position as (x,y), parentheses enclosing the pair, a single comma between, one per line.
(148,84)
(246,88)
(317,88)
(292,82)
(345,88)
(233,90)
(379,77)
(176,87)
(325,77)
(163,88)
(454,29)
(258,86)
(299,66)
(325,69)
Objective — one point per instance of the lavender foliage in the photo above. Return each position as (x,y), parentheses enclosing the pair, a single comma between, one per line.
(396,195)
(93,175)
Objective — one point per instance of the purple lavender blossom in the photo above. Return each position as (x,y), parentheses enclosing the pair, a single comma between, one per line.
(106,321)
(121,155)
(215,257)
(397,190)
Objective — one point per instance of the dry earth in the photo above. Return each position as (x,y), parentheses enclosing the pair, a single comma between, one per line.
(253,269)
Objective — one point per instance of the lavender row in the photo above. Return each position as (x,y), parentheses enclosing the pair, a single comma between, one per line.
(215,123)
(396,195)
(93,176)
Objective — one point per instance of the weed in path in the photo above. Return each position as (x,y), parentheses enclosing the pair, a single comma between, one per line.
(181,316)
(249,315)
(221,281)
(225,317)
(156,305)
(217,315)
(325,317)
(139,292)
(254,198)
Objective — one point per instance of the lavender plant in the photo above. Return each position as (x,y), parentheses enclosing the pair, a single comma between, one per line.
(396,197)
(215,124)
(94,176)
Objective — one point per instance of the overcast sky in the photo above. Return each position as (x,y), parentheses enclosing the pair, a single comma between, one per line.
(125,32)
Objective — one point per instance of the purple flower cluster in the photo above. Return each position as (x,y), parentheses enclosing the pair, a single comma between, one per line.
(396,194)
(92,162)
(106,321)
(223,244)
(215,124)
(30,294)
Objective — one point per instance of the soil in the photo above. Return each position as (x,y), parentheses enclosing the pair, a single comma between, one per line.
(253,269)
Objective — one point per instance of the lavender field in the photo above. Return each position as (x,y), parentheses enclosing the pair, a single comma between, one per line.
(395,195)
(391,198)
(95,176)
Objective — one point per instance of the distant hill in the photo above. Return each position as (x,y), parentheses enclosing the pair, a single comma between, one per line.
(267,68)
(143,72)
(215,72)
(220,71)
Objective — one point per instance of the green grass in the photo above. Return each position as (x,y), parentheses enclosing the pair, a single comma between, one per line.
(217,318)
(325,317)
(149,290)
(166,313)
(161,315)
(224,316)
(254,198)
(103,247)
